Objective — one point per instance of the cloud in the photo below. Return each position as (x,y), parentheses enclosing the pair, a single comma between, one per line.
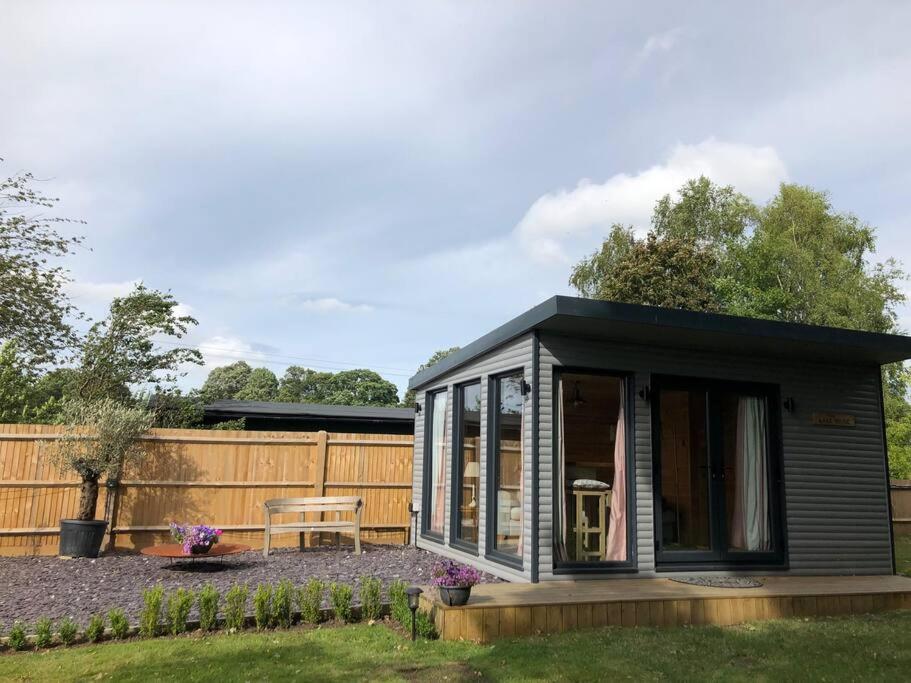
(331,305)
(660,42)
(567,215)
(99,292)
(224,350)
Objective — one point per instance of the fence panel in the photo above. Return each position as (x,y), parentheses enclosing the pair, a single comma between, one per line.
(215,477)
(901,507)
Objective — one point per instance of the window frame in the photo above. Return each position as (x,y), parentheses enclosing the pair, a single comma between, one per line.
(426,532)
(491,552)
(631,563)
(775,559)
(458,467)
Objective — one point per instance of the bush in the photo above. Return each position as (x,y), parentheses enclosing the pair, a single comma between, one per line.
(340,599)
(282,605)
(16,637)
(262,606)
(67,630)
(120,626)
(236,607)
(44,634)
(310,601)
(398,605)
(208,607)
(150,616)
(371,598)
(95,630)
(180,602)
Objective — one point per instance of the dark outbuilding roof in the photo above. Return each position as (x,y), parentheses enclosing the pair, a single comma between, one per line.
(630,323)
(309,411)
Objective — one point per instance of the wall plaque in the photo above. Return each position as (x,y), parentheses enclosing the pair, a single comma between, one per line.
(833,419)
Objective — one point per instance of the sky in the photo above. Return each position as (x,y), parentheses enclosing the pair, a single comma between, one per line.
(345,184)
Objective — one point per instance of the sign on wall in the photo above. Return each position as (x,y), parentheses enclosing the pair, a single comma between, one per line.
(833,419)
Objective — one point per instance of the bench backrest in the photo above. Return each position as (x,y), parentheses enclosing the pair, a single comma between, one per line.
(323,504)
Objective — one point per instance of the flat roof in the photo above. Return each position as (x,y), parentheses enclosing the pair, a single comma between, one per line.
(675,328)
(235,409)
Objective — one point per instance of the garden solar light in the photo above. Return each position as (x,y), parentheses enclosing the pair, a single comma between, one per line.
(414,599)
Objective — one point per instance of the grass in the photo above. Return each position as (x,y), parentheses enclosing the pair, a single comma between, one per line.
(903,555)
(835,648)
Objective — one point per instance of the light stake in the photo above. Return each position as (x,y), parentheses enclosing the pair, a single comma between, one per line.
(414,599)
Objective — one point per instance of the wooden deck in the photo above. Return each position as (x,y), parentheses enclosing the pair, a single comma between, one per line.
(511,609)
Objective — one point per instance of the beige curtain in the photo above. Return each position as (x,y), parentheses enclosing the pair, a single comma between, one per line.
(750,528)
(616,534)
(441,438)
(560,475)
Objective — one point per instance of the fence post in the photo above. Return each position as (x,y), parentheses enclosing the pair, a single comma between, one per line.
(319,479)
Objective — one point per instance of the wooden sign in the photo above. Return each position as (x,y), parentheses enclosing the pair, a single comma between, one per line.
(833,419)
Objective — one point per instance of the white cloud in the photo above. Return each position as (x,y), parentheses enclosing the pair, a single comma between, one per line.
(99,292)
(331,305)
(570,214)
(223,350)
(660,42)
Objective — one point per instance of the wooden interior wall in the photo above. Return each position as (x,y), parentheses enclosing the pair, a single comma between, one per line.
(201,476)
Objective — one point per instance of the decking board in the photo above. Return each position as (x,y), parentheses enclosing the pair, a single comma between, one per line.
(505,610)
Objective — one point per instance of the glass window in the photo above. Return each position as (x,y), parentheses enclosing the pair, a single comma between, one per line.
(592,468)
(506,464)
(468,464)
(435,468)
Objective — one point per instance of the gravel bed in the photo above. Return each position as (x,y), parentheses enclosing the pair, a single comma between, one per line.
(34,587)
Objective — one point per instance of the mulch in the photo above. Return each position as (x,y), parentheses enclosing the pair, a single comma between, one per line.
(34,587)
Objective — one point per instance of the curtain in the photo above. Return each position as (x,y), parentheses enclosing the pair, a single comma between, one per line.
(560,474)
(616,534)
(521,480)
(441,438)
(750,519)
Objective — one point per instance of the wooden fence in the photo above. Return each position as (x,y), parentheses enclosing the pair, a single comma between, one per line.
(901,507)
(215,477)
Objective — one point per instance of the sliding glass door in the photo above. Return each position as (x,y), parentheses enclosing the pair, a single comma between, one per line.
(717,481)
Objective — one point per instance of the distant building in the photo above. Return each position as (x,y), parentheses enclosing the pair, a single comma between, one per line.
(312,417)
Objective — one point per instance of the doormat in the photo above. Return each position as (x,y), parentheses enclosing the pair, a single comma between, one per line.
(720,581)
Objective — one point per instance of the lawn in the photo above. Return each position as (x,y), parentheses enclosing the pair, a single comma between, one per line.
(835,648)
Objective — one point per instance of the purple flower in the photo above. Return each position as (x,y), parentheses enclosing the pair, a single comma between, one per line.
(448,574)
(190,536)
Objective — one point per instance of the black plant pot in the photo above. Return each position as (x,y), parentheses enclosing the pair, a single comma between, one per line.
(80,538)
(455,596)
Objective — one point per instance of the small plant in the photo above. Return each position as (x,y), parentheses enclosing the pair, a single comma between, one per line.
(398,606)
(452,574)
(208,607)
(236,607)
(195,539)
(67,630)
(44,633)
(16,637)
(262,606)
(95,630)
(310,601)
(371,598)
(180,602)
(340,599)
(150,616)
(282,605)
(120,626)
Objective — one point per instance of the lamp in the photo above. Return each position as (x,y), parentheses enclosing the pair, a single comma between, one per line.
(414,599)
(473,471)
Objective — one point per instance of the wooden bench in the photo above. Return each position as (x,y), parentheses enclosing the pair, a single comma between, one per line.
(338,505)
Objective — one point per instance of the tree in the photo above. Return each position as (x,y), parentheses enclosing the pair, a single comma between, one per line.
(225,382)
(33,304)
(261,385)
(437,356)
(23,397)
(360,388)
(120,352)
(100,438)
(303,385)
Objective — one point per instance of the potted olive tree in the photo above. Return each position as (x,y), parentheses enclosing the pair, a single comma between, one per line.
(100,437)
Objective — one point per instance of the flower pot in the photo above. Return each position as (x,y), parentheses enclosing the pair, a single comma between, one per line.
(200,549)
(455,596)
(81,538)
